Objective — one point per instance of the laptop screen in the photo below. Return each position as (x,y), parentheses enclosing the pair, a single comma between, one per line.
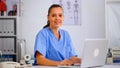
(94,52)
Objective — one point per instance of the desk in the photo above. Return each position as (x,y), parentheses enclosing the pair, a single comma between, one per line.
(105,66)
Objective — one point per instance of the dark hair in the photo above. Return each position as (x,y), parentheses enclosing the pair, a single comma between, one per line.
(52,6)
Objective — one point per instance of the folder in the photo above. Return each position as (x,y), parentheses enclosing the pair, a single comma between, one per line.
(1,28)
(1,44)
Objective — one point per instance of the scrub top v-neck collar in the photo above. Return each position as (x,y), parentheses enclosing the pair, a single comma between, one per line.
(54,35)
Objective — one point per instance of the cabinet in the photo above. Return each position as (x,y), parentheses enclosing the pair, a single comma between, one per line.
(8,38)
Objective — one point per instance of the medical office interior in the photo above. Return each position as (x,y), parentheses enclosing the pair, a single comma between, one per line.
(99,19)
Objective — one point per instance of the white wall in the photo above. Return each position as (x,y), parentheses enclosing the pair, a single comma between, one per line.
(35,17)
(113,15)
(32,20)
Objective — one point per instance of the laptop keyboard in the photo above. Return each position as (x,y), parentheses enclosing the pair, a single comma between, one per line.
(75,65)
(60,66)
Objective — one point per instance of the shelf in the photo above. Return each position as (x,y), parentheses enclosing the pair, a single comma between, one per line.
(7,36)
(8,16)
(9,54)
(113,1)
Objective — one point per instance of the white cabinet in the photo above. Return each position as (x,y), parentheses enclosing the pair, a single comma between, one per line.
(8,38)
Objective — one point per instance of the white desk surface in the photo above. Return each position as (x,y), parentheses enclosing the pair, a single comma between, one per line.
(105,66)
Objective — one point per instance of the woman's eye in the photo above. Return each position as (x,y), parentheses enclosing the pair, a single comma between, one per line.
(53,15)
(60,15)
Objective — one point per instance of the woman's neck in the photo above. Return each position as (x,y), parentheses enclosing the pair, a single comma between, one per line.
(56,32)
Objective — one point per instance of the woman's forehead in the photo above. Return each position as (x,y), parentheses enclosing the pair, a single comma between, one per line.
(56,10)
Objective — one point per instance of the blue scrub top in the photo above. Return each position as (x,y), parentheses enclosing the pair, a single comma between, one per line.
(47,44)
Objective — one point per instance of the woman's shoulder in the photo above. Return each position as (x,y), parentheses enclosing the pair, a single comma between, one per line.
(43,31)
(64,31)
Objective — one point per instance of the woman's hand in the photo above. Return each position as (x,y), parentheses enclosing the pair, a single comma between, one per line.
(66,62)
(75,60)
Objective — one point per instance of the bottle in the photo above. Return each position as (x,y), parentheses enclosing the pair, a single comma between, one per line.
(0,56)
(109,56)
(2,13)
(109,53)
(5,13)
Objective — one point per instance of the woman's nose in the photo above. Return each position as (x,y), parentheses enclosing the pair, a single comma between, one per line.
(57,17)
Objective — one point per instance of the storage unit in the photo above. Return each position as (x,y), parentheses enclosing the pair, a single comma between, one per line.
(8,38)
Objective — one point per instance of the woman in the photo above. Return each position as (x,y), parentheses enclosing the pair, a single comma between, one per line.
(53,46)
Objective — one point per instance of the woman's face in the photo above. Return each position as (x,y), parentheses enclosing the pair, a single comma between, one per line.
(56,17)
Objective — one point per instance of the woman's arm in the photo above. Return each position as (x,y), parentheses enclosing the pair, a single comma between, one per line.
(41,60)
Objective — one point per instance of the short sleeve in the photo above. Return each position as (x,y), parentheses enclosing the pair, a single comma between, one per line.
(72,49)
(40,43)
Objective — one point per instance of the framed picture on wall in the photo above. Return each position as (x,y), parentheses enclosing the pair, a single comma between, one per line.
(10,7)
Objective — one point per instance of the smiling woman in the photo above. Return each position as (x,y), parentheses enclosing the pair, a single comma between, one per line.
(53,46)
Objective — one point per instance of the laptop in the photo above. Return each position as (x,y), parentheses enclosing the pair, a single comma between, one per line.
(94,52)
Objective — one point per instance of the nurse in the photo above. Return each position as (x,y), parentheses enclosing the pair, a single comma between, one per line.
(53,45)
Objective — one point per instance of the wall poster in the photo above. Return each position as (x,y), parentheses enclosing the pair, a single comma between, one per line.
(72,11)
